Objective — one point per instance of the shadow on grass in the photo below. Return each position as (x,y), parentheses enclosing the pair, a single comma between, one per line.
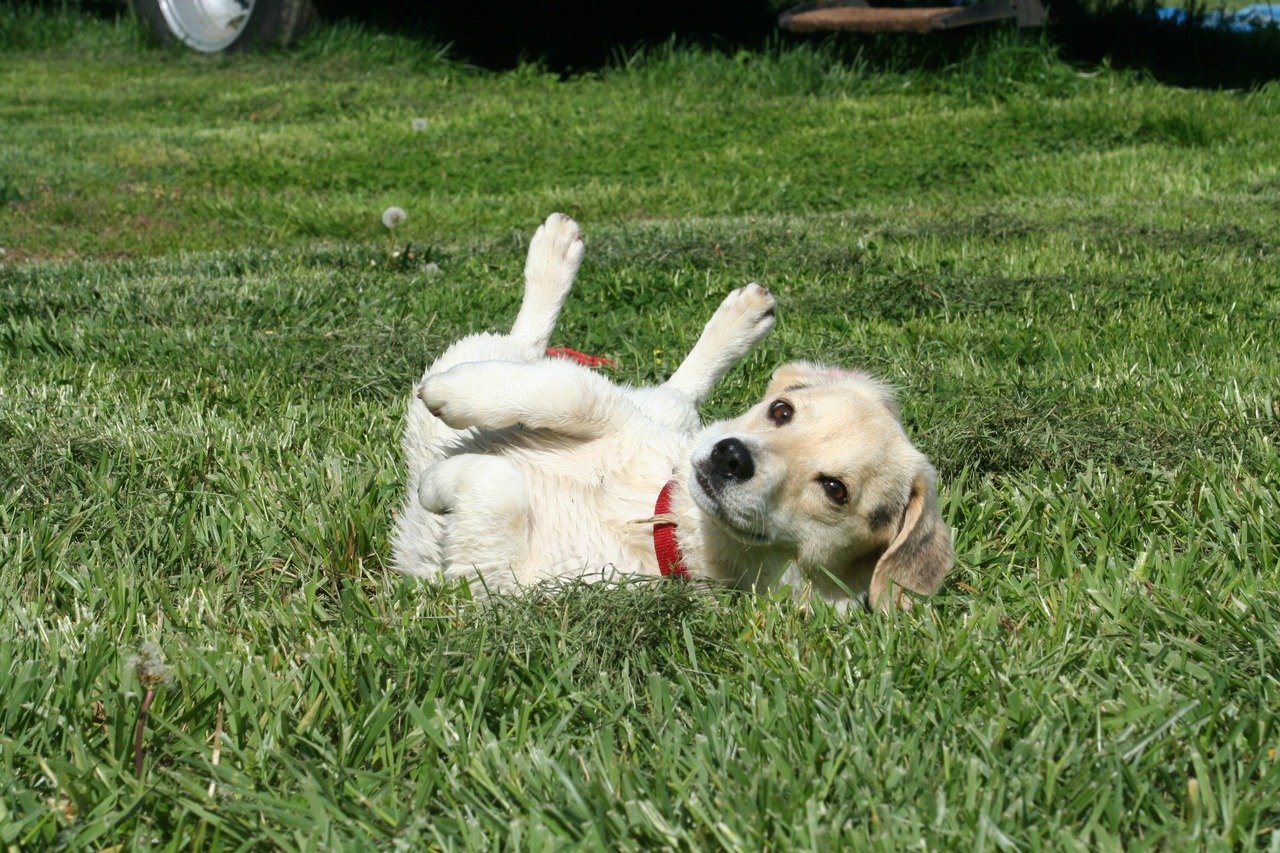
(568,36)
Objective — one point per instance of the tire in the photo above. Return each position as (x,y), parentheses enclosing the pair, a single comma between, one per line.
(212,26)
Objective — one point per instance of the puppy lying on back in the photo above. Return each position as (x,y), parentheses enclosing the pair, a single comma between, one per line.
(524,468)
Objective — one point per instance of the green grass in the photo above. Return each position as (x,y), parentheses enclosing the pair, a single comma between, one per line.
(1073,277)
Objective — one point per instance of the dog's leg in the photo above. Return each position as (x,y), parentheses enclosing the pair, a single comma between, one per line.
(485,504)
(555,253)
(744,319)
(553,395)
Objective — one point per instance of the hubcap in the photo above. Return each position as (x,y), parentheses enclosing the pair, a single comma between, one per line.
(207,25)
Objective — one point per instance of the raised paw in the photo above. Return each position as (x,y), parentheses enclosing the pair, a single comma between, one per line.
(555,253)
(745,317)
(743,320)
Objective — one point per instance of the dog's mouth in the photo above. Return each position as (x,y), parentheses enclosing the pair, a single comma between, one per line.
(704,484)
(707,497)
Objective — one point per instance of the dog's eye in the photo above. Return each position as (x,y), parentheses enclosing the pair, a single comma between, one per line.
(835,489)
(780,411)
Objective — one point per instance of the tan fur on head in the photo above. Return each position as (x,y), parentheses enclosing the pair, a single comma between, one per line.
(796,375)
(921,553)
(882,530)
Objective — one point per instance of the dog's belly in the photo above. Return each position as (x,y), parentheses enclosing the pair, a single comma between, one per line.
(588,510)
(587,504)
(571,546)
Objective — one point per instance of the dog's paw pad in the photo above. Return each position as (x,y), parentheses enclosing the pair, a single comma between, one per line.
(751,308)
(556,250)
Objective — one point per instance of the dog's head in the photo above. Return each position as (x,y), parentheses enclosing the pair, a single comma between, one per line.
(821,469)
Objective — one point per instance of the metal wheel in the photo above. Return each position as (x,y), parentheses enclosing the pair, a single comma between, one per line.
(207,25)
(211,26)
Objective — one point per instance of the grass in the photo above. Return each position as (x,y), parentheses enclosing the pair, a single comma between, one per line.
(1074,278)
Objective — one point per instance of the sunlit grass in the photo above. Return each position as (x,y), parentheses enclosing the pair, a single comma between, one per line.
(205,347)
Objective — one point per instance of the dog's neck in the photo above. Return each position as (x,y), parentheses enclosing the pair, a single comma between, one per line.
(710,551)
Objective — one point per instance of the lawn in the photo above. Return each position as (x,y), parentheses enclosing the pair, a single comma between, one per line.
(1073,276)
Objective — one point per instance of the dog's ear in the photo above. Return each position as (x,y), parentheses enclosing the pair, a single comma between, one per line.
(796,375)
(920,555)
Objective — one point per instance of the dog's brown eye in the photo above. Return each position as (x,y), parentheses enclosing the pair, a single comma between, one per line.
(835,489)
(781,411)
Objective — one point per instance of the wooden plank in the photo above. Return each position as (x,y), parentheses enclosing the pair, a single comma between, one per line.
(864,19)
(855,16)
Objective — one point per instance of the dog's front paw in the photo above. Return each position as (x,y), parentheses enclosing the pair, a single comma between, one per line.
(445,400)
(746,316)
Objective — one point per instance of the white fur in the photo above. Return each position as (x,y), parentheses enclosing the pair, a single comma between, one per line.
(523,468)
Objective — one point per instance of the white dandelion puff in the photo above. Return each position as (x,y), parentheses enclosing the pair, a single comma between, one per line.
(393,217)
(150,665)
(419,125)
(154,673)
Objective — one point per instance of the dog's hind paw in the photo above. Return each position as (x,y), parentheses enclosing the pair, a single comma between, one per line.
(555,253)
(432,498)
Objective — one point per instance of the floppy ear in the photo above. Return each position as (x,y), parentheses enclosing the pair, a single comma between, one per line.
(920,555)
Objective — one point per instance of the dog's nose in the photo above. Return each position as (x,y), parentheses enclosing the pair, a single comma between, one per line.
(731,461)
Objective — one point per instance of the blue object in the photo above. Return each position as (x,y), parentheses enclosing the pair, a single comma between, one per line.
(1259,16)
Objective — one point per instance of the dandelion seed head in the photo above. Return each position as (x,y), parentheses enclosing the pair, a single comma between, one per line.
(150,666)
(392,217)
(431,268)
(419,125)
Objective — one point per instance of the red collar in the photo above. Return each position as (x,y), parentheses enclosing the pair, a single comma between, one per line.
(581,357)
(670,563)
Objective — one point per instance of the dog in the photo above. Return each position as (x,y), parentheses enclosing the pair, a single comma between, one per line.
(524,468)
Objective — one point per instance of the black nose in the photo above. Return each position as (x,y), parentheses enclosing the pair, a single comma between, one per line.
(731,461)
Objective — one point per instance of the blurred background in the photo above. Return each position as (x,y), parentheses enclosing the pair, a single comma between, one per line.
(1178,41)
